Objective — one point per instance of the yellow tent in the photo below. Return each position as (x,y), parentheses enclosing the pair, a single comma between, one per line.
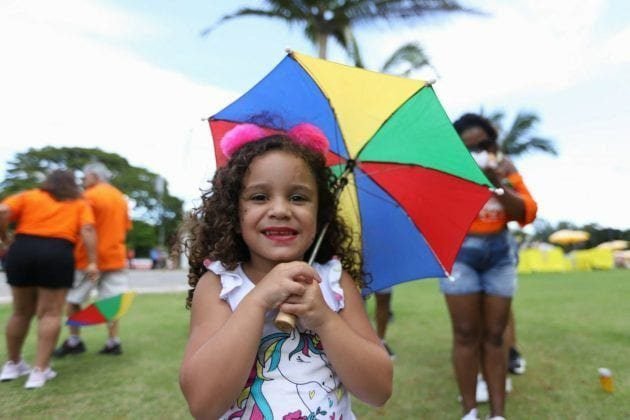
(549,259)
(593,259)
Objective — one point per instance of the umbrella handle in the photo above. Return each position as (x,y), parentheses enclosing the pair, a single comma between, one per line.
(285,322)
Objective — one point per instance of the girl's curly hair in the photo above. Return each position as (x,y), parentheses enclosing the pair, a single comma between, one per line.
(211,230)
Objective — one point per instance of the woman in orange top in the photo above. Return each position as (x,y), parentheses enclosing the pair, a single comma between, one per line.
(40,266)
(483,280)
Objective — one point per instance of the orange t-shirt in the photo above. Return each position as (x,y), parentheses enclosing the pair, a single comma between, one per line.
(112,223)
(37,213)
(492,217)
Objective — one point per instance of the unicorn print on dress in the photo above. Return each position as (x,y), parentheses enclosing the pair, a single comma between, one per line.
(294,359)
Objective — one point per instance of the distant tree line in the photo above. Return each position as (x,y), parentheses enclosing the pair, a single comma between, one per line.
(155,210)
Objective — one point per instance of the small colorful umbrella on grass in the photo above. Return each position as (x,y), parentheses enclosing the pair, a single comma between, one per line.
(413,189)
(104,310)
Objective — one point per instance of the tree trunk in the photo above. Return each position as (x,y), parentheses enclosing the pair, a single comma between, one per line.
(322,42)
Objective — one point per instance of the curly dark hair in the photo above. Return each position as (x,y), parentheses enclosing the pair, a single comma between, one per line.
(211,230)
(470,120)
(62,185)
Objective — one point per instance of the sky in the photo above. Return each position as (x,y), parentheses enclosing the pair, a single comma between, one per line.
(137,79)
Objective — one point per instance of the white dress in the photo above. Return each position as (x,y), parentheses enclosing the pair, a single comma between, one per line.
(291,378)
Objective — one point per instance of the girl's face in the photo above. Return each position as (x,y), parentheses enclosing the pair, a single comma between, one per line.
(278,209)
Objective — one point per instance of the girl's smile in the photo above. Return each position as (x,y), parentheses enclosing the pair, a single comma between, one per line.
(278,208)
(280,234)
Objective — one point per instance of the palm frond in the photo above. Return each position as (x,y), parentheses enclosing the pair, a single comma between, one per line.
(389,10)
(411,55)
(288,14)
(529,145)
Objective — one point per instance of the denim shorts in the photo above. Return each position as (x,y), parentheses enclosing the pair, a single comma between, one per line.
(485,264)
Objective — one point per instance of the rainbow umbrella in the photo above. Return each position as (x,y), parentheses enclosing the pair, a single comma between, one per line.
(413,189)
(101,311)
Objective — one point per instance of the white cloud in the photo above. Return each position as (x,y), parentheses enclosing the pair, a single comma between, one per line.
(516,50)
(616,49)
(78,17)
(61,89)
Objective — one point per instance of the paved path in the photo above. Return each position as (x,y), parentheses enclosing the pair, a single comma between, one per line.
(142,281)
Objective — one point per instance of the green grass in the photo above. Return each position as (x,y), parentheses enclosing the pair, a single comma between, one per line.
(568,326)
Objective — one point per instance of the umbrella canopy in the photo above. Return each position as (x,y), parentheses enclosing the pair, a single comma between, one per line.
(616,245)
(413,189)
(569,237)
(104,310)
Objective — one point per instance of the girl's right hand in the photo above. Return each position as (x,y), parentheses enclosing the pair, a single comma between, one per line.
(282,281)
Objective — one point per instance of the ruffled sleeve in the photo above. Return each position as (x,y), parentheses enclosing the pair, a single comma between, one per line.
(330,274)
(233,285)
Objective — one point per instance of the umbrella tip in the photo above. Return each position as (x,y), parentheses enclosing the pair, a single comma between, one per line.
(288,50)
(498,191)
(430,82)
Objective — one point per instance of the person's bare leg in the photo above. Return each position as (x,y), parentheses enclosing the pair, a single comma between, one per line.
(382,313)
(24,305)
(496,310)
(50,304)
(465,312)
(510,332)
(71,309)
(112,329)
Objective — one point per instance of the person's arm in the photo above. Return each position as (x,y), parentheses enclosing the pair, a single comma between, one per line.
(88,234)
(511,200)
(352,346)
(5,214)
(222,344)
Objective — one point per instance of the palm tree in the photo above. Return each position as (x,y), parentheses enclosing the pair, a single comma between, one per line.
(410,57)
(322,19)
(517,140)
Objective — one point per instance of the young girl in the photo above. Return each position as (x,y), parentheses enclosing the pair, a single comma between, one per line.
(258,225)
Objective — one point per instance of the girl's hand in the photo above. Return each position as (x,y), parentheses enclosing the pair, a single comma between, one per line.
(310,307)
(284,280)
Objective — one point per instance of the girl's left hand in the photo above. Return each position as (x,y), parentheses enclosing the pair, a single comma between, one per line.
(310,308)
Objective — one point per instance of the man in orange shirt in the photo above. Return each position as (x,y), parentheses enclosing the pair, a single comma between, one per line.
(112,223)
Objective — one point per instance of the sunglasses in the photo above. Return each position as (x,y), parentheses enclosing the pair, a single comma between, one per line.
(486,145)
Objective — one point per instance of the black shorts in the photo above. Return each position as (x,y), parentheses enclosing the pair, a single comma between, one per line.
(36,261)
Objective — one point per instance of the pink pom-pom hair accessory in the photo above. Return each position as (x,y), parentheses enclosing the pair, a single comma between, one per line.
(304,134)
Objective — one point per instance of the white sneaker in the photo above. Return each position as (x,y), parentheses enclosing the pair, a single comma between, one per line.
(12,370)
(482,395)
(471,415)
(38,377)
